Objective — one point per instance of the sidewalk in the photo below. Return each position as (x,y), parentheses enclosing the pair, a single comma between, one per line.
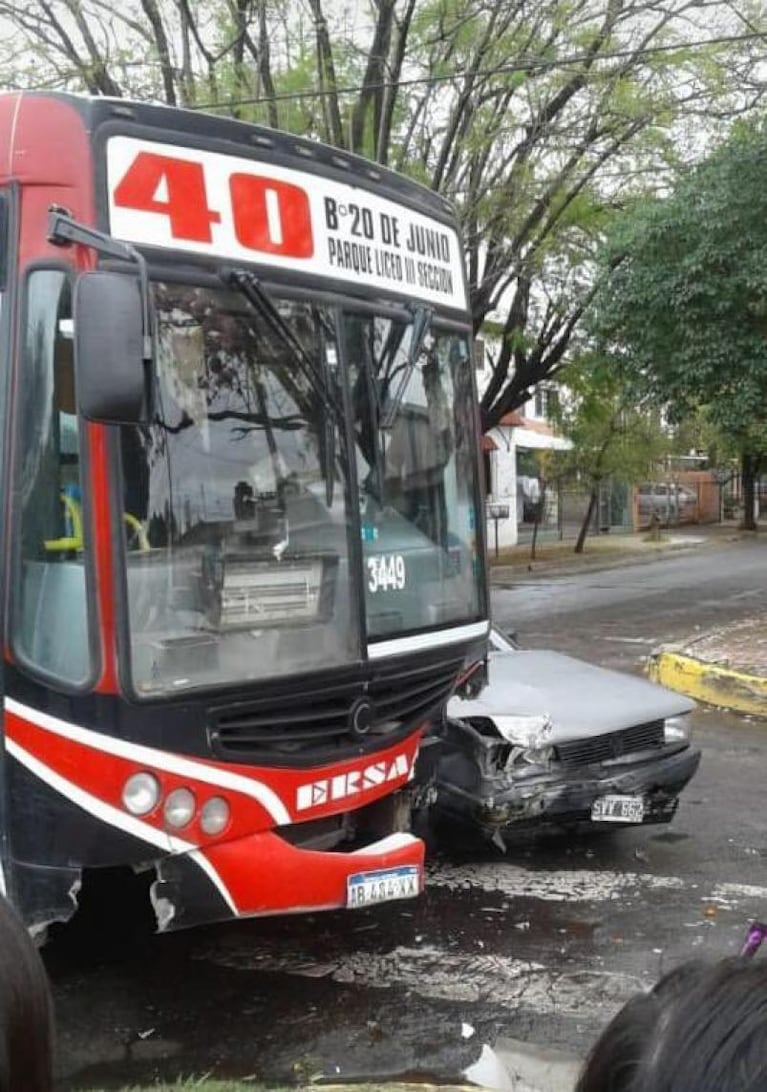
(515,566)
(726,667)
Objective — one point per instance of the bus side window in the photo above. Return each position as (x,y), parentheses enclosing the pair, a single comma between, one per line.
(51,629)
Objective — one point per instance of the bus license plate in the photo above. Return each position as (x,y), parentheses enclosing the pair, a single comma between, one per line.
(383,885)
(618,809)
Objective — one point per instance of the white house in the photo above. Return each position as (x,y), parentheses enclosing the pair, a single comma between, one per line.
(511,468)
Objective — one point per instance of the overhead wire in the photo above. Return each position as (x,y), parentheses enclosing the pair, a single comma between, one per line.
(541,64)
(538,64)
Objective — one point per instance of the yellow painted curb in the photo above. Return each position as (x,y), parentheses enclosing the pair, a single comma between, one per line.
(710,683)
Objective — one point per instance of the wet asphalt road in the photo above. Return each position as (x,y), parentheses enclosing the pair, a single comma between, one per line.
(541,945)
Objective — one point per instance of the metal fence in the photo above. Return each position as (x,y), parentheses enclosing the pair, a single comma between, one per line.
(564,510)
(686,498)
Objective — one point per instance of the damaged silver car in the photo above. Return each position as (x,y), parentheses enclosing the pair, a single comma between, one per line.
(553,741)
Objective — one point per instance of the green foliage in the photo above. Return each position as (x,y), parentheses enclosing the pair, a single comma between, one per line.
(684,296)
(613,436)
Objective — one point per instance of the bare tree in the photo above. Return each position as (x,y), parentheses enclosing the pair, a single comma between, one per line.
(538,119)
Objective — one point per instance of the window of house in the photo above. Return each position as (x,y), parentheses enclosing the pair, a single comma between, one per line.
(50,617)
(546,403)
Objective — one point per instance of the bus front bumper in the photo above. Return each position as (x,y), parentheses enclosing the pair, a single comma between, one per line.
(262,874)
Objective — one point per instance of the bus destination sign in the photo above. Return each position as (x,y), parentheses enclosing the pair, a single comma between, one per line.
(241,210)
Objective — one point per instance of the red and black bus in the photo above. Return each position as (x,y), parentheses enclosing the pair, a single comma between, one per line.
(243,552)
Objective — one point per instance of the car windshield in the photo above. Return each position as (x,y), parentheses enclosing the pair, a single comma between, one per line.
(243,508)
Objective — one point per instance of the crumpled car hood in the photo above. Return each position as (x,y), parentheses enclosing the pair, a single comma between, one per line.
(581,699)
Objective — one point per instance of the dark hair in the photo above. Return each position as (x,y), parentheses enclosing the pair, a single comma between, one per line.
(26,1015)
(703,1028)
(615,1057)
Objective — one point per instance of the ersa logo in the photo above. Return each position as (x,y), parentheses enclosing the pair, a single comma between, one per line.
(328,790)
(265,215)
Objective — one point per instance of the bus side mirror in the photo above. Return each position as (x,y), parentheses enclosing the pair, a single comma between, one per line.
(110,369)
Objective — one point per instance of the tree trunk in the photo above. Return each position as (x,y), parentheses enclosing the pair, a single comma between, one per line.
(327,76)
(748,470)
(534,542)
(265,66)
(373,84)
(152,12)
(540,509)
(593,499)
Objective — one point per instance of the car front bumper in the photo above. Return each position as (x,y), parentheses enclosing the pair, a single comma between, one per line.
(498,803)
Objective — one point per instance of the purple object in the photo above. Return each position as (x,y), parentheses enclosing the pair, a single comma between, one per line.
(754,937)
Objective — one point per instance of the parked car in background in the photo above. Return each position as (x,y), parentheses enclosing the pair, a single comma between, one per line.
(670,502)
(554,741)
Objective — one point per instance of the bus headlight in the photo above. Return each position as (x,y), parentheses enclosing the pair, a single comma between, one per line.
(214,815)
(141,793)
(179,808)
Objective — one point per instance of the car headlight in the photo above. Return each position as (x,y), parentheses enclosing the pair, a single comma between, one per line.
(522,730)
(529,739)
(676,730)
(538,758)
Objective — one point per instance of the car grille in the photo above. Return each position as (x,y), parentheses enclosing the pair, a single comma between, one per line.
(585,752)
(311,721)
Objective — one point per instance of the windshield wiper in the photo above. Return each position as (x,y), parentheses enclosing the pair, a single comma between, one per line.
(422,317)
(328,378)
(255,293)
(318,378)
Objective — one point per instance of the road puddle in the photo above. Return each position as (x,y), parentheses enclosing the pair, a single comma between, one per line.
(515,1066)
(489,1072)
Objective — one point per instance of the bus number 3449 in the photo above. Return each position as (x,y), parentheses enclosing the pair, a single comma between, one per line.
(386,572)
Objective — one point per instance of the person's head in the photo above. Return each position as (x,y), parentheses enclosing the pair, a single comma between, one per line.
(612,1064)
(26,1023)
(703,1028)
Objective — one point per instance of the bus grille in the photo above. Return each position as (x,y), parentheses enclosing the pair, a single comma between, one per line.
(312,721)
(585,752)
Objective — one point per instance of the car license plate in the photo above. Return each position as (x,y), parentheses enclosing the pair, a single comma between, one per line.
(618,809)
(383,885)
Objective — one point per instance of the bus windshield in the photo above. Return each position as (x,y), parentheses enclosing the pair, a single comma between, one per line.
(415,444)
(239,508)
